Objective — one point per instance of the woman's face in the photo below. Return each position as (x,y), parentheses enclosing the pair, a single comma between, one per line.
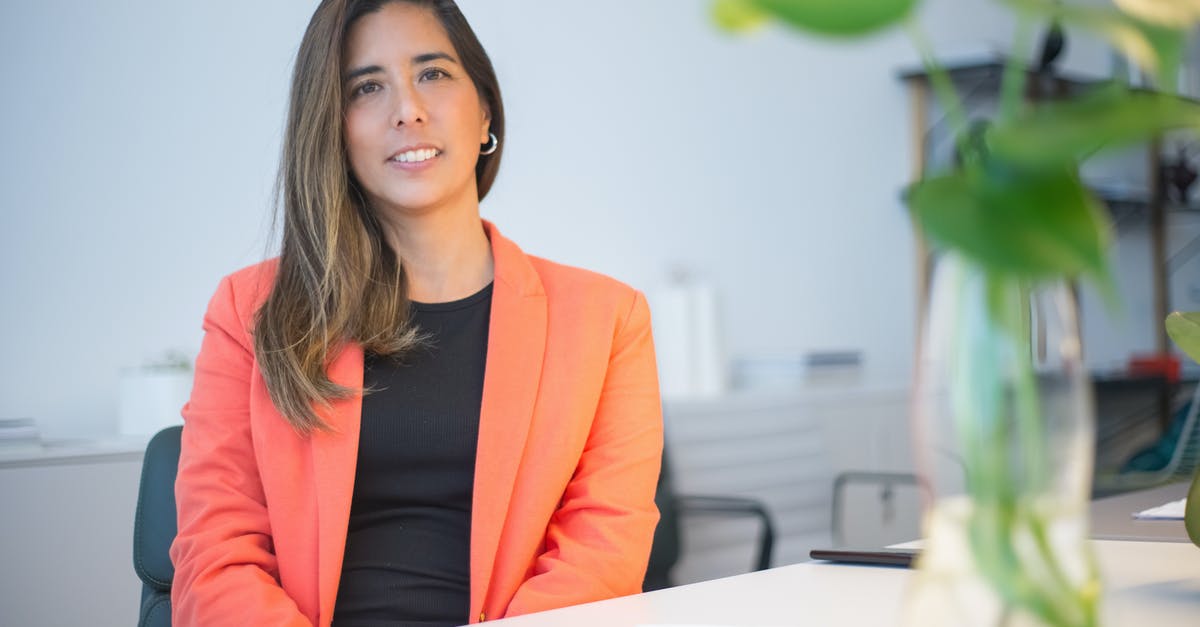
(414,120)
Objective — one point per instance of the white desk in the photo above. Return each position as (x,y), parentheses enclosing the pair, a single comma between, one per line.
(1151,584)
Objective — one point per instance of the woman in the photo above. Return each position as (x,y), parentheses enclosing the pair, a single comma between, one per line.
(503,457)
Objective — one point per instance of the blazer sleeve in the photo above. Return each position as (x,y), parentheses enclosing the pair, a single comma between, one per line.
(598,540)
(225,567)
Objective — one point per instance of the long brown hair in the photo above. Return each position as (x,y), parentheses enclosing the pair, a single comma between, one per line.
(337,278)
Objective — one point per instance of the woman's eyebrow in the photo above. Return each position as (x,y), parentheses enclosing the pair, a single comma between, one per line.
(433,56)
(362,71)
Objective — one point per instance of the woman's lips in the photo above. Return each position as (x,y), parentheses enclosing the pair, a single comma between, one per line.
(414,159)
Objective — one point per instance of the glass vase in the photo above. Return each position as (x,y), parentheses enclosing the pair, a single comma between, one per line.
(1003,431)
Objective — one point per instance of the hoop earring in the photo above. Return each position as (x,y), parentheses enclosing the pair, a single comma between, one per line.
(491,146)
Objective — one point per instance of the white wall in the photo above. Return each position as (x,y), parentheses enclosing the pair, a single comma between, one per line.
(1111,335)
(140,142)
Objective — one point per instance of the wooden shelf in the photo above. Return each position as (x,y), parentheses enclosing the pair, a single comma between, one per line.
(980,79)
(984,76)
(1124,206)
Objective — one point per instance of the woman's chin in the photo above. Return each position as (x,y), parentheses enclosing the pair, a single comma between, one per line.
(421,200)
(414,205)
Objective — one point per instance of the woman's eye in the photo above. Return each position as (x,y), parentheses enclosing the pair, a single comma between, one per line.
(433,74)
(366,88)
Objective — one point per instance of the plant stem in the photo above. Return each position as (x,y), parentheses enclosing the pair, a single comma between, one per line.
(1059,589)
(1013,82)
(1005,447)
(1028,410)
(943,87)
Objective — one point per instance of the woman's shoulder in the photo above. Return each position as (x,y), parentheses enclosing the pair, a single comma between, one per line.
(255,278)
(570,284)
(530,274)
(243,291)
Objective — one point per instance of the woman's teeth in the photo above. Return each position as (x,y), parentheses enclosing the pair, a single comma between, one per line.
(416,156)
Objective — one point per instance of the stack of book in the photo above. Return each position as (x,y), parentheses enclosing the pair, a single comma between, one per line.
(19,434)
(836,366)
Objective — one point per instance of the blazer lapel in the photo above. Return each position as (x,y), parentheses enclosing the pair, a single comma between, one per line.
(516,344)
(335,455)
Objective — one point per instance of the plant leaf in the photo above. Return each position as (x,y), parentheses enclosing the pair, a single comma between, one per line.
(1191,512)
(1112,116)
(1055,216)
(1178,13)
(1016,221)
(1184,328)
(844,18)
(1158,49)
(738,16)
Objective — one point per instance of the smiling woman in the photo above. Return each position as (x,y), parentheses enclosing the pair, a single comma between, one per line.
(404,419)
(414,120)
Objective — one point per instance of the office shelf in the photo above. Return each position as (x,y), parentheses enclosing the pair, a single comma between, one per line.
(978,81)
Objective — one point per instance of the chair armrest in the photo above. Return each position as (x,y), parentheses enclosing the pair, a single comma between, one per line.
(735,506)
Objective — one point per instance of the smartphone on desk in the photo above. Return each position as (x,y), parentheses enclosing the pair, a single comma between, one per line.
(869,557)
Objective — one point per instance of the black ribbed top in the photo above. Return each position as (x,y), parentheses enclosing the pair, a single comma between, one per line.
(407,558)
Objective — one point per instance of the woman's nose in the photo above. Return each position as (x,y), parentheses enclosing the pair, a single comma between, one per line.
(409,107)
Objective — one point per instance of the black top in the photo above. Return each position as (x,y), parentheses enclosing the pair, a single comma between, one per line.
(407,558)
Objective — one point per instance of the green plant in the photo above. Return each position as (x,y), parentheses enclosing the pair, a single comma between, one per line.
(1184,328)
(1015,207)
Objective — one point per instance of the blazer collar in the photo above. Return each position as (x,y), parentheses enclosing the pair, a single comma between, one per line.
(516,343)
(335,455)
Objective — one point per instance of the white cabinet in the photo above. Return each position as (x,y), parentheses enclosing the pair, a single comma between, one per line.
(66,537)
(783,449)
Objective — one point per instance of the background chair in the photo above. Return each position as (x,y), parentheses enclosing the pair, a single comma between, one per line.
(876,509)
(154,527)
(668,538)
(1183,441)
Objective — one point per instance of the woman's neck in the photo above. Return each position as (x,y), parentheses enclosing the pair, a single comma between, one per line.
(446,255)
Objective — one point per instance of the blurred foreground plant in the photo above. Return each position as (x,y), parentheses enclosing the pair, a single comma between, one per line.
(1015,211)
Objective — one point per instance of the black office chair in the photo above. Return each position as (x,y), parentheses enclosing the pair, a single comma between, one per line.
(667,536)
(154,527)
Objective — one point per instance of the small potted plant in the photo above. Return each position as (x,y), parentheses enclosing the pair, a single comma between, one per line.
(151,396)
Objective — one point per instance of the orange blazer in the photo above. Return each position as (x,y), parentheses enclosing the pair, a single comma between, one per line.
(570,441)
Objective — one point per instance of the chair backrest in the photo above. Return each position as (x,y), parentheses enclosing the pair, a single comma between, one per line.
(874,509)
(154,527)
(1186,456)
(665,551)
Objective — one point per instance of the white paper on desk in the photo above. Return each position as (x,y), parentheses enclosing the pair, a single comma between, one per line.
(1170,511)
